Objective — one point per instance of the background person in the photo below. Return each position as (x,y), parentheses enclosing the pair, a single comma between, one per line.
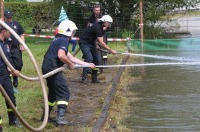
(88,46)
(15,49)
(56,56)
(73,42)
(96,15)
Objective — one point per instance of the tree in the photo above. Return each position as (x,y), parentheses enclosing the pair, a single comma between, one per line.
(153,10)
(126,14)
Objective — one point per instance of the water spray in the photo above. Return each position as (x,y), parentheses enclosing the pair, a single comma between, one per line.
(154,56)
(140,65)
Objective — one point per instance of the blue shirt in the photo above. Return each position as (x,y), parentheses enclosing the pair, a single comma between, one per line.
(18,29)
(6,51)
(3,68)
(57,44)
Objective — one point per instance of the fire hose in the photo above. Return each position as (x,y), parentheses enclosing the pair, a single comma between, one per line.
(41,77)
(40,128)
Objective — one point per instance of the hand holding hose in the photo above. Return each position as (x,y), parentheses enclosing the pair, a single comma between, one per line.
(15,73)
(114,52)
(92,66)
(71,66)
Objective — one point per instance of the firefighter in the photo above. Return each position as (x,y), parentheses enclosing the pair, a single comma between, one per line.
(73,42)
(5,80)
(96,15)
(56,56)
(15,49)
(88,46)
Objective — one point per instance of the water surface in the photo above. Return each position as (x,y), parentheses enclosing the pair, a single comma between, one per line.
(168,96)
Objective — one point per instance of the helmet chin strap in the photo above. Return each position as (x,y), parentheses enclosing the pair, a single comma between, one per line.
(73,33)
(108,24)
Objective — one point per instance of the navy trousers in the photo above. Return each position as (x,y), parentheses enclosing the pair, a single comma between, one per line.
(57,85)
(90,55)
(5,81)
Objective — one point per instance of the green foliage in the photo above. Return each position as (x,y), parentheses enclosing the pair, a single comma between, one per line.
(126,15)
(153,10)
(156,33)
(31,14)
(127,33)
(15,1)
(43,14)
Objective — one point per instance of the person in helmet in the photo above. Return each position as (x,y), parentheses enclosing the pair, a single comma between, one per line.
(96,15)
(72,41)
(88,46)
(56,56)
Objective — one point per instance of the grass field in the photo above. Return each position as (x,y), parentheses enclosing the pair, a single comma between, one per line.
(30,98)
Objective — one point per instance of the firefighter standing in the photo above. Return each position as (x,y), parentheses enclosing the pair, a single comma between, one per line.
(56,56)
(5,80)
(96,15)
(88,46)
(15,49)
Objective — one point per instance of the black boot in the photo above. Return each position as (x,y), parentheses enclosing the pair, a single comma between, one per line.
(13,121)
(49,118)
(94,76)
(15,81)
(61,117)
(84,76)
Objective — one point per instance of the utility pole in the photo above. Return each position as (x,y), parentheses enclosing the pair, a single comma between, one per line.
(141,22)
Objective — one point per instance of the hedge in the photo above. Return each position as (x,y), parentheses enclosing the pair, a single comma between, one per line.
(42,14)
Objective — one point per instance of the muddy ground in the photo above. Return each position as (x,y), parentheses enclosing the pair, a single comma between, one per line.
(86,101)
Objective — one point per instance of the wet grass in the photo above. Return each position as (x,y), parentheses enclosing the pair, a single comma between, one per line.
(118,111)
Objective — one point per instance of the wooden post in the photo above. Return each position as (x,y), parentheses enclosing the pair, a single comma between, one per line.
(2,8)
(141,22)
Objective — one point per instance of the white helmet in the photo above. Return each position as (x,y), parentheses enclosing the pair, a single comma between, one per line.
(67,28)
(106,18)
